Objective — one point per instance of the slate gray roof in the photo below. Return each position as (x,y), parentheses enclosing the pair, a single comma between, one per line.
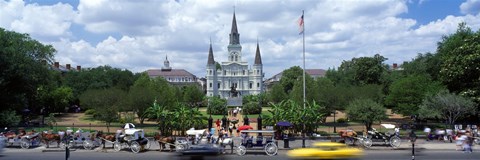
(210,55)
(258,58)
(173,72)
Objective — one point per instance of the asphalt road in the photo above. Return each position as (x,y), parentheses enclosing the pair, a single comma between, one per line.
(92,155)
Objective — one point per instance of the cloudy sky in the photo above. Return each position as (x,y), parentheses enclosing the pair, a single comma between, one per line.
(137,35)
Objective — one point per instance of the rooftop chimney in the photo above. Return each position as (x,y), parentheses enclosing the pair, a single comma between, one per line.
(56,65)
(79,68)
(68,66)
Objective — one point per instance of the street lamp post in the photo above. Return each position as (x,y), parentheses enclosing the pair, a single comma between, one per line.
(334,121)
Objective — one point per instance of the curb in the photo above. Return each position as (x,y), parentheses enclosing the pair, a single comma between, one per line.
(57,150)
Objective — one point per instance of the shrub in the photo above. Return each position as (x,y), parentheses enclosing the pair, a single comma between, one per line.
(217,106)
(90,112)
(341,120)
(252,108)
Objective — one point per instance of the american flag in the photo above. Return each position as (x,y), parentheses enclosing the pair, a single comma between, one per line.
(300,24)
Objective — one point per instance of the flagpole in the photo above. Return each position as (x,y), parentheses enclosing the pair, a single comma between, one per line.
(304,95)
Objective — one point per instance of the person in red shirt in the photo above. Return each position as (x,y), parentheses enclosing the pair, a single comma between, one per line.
(218,123)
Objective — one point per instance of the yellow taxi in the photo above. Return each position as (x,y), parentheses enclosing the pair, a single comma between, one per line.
(326,150)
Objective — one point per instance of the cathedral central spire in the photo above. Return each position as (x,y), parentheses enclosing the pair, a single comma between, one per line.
(234,36)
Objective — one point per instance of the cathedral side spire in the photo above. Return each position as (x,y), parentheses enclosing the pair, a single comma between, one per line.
(210,54)
(258,57)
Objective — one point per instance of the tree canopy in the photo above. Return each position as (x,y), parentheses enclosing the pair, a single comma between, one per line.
(367,111)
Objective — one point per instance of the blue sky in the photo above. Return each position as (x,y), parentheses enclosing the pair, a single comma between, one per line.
(136,35)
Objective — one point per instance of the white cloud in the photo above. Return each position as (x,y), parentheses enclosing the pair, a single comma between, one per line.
(470,7)
(41,21)
(143,32)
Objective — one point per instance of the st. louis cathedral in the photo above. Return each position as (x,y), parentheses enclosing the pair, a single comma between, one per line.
(234,78)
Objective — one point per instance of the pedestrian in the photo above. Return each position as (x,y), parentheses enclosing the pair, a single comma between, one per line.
(230,129)
(427,132)
(468,142)
(217,123)
(459,142)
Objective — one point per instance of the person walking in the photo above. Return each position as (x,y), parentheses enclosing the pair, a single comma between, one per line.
(218,123)
(468,142)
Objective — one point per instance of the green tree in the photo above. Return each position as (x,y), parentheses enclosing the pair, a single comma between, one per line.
(106,102)
(447,106)
(23,66)
(360,71)
(277,94)
(311,90)
(366,111)
(289,77)
(460,53)
(407,94)
(141,95)
(424,64)
(193,95)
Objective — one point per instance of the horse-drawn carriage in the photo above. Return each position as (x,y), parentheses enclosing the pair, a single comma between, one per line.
(131,138)
(79,138)
(22,138)
(259,142)
(350,137)
(389,138)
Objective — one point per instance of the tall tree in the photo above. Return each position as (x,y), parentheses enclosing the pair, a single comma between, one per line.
(360,71)
(23,66)
(460,53)
(407,94)
(289,77)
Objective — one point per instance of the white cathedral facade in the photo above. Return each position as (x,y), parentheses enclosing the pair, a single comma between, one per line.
(234,74)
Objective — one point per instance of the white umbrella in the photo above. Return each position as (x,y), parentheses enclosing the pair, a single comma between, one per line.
(129,126)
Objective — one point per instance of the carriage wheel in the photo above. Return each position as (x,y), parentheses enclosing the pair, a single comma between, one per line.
(25,143)
(348,141)
(135,147)
(271,149)
(241,150)
(476,141)
(117,146)
(357,141)
(62,145)
(180,147)
(395,142)
(367,142)
(88,144)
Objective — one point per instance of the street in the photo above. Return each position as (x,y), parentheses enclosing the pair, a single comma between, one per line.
(86,155)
